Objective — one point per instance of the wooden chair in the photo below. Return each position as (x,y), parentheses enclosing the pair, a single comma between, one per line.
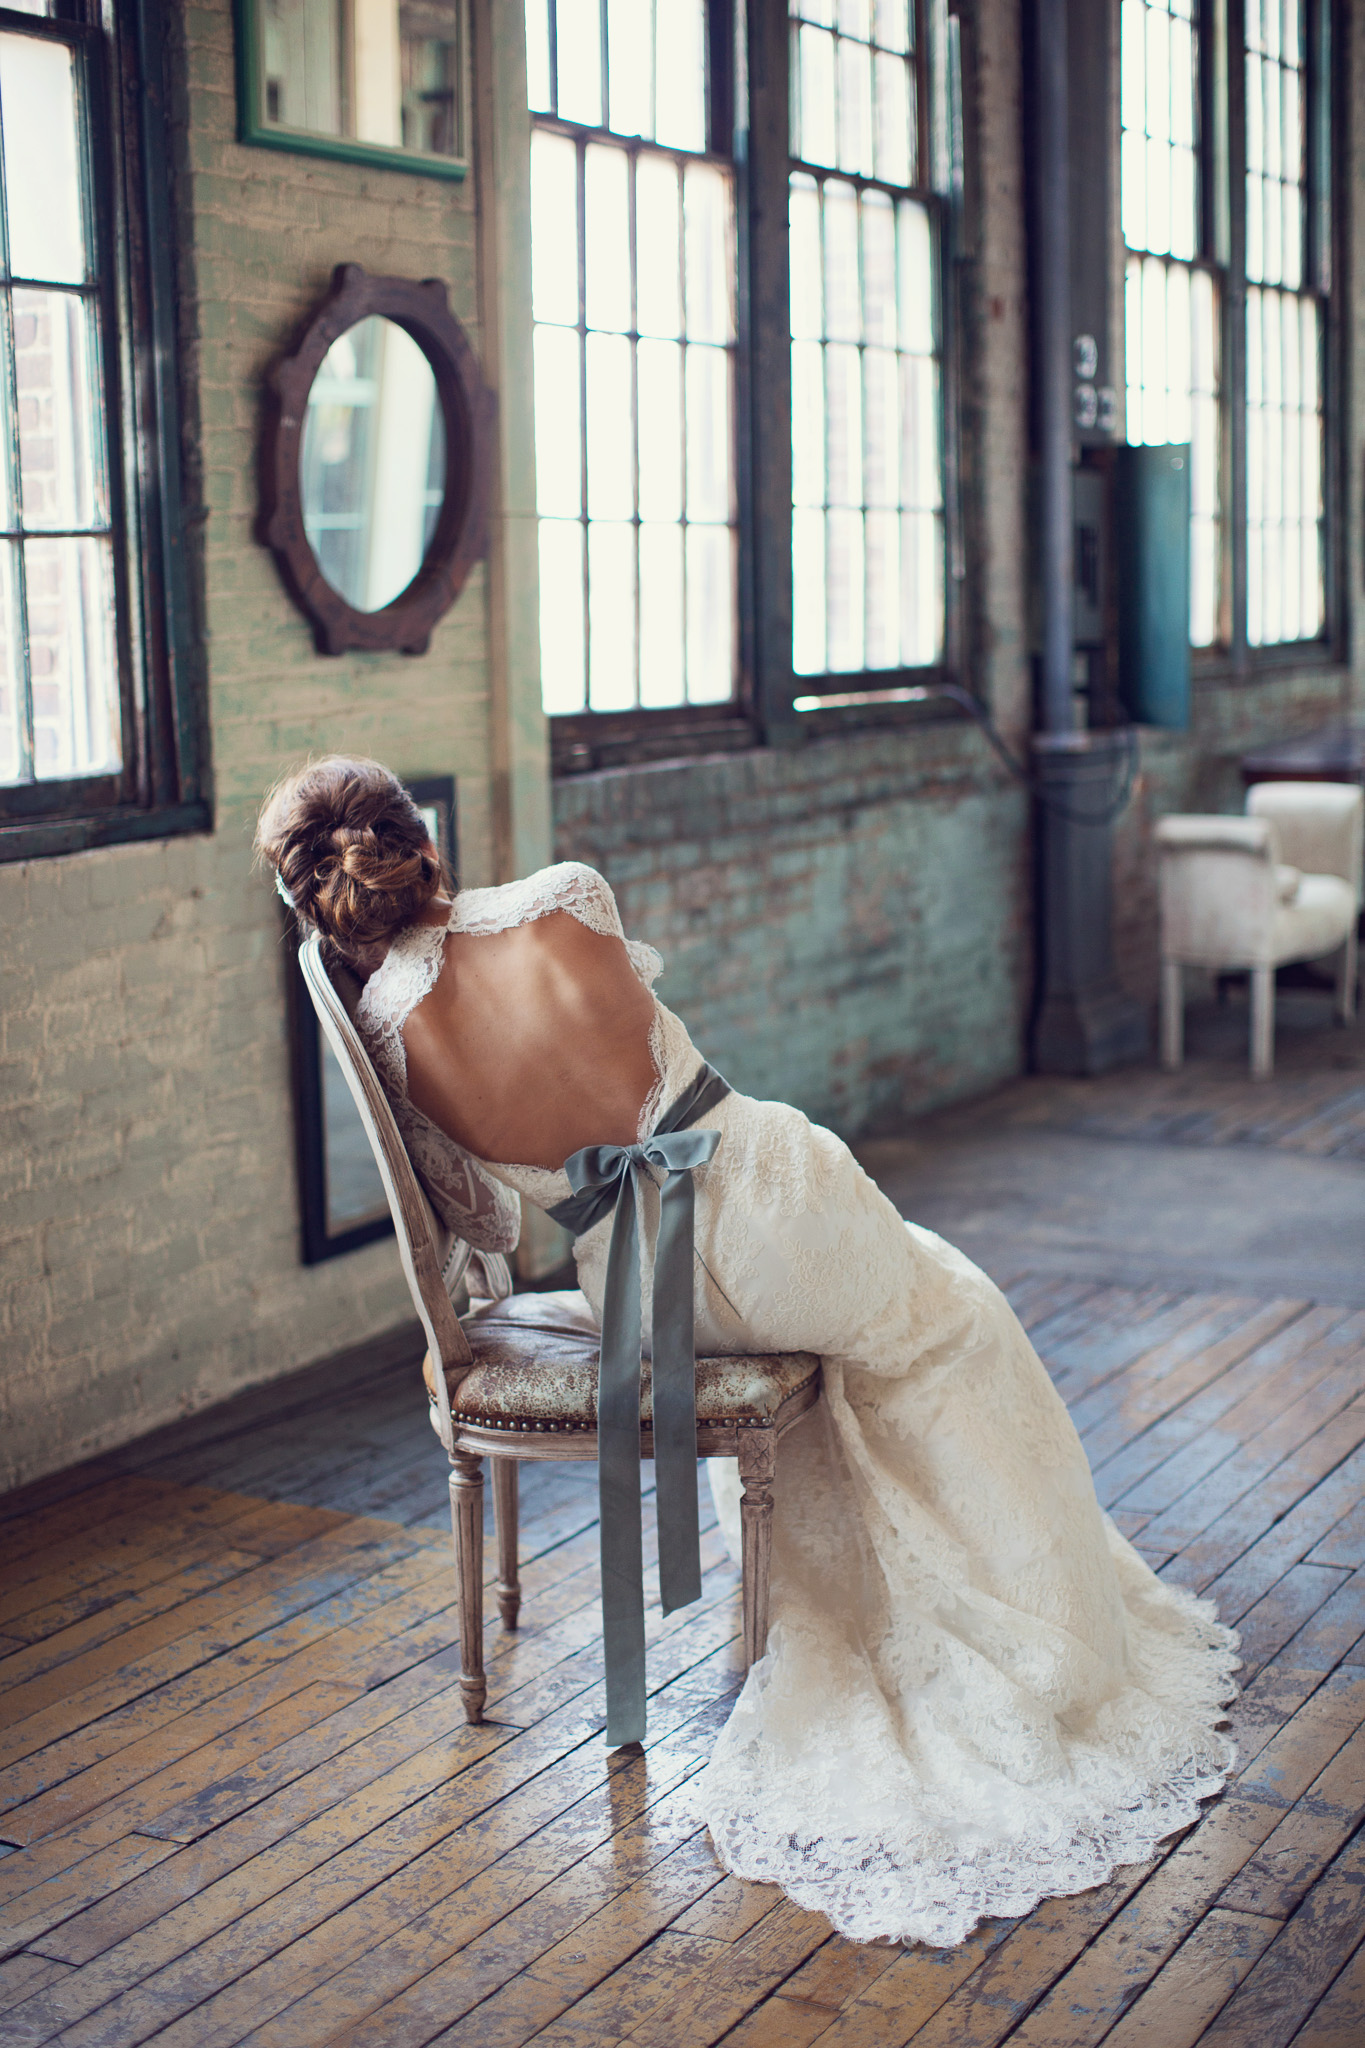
(517,1378)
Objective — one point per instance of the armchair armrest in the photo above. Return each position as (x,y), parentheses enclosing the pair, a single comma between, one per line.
(1256,837)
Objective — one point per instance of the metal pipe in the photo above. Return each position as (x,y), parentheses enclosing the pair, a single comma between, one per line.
(1052,329)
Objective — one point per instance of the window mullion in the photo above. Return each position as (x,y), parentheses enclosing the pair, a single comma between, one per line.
(1235,328)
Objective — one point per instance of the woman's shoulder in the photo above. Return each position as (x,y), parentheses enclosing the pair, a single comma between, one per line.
(569,885)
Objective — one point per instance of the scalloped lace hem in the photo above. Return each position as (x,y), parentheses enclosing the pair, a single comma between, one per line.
(924,1882)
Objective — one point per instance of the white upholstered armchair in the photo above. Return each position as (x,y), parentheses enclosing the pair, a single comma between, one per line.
(1281,884)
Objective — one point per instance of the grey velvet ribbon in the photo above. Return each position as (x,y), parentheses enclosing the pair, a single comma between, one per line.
(606,1177)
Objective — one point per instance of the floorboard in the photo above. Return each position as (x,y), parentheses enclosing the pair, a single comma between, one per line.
(239,1803)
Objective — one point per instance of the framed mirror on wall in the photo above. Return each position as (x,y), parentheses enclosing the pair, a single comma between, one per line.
(376,463)
(341,1197)
(370,81)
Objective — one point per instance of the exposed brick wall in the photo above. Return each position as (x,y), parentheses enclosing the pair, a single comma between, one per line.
(844,925)
(149,1239)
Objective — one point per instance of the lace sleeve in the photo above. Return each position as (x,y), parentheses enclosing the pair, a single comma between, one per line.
(481,1210)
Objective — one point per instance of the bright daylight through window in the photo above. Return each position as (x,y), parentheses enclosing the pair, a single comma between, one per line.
(867,522)
(59,690)
(1171,312)
(1283,340)
(1176,281)
(633,254)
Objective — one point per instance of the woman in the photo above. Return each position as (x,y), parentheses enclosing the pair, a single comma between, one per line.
(976,1695)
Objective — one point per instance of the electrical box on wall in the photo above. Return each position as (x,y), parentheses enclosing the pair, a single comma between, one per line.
(1152,573)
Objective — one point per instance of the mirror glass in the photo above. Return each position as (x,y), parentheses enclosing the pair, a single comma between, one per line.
(372,463)
(372,72)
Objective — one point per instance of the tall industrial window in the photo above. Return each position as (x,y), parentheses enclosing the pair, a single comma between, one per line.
(1171,316)
(1284,337)
(99,731)
(633,274)
(59,684)
(683,357)
(867,521)
(1182,240)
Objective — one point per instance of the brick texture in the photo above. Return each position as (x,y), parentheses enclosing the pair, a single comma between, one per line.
(149,1236)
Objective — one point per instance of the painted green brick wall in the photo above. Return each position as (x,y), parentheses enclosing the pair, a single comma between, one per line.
(844,925)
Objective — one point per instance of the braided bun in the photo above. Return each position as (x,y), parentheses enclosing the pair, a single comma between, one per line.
(348,843)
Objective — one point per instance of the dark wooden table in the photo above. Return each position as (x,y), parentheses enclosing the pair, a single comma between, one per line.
(1335,753)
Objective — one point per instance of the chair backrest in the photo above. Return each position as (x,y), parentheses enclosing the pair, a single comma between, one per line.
(424,1244)
(1218,889)
(1321,825)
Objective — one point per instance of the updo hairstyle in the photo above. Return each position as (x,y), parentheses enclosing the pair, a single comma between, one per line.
(349,845)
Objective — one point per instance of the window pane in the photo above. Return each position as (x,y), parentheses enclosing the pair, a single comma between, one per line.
(42,160)
(879,268)
(680,74)
(808,593)
(606,236)
(62,465)
(611,465)
(630,67)
(559,451)
(73,665)
(708,434)
(895,122)
(710,243)
(844,590)
(659,369)
(855,106)
(710,614)
(611,616)
(538,55)
(554,228)
(808,423)
(659,245)
(578,47)
(807,310)
(1159,98)
(662,679)
(561,615)
(814,138)
(882,546)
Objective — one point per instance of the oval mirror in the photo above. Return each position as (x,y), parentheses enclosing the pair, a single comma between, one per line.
(372,467)
(377,463)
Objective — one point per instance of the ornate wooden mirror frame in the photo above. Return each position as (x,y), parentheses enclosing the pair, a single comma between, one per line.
(468,409)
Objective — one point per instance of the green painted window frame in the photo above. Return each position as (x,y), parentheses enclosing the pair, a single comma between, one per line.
(254,129)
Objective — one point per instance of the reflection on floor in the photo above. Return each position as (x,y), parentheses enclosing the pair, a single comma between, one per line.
(240,1802)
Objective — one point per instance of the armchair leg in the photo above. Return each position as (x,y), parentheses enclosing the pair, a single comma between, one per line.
(1262,1022)
(1172,1014)
(1346,977)
(757,1463)
(466,1517)
(505,1488)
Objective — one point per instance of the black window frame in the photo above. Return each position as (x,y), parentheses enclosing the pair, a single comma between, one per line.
(1221,250)
(749,45)
(163,786)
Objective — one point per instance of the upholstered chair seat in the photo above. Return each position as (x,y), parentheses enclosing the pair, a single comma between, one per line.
(535,1368)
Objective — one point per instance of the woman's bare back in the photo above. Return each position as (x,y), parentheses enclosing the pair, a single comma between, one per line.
(533,1042)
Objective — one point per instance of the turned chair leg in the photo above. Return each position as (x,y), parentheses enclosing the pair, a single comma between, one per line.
(757,1463)
(1262,1022)
(1172,1014)
(466,1520)
(508,1588)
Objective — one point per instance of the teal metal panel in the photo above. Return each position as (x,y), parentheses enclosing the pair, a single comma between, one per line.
(1152,568)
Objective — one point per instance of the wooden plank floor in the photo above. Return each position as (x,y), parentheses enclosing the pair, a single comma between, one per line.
(239,1804)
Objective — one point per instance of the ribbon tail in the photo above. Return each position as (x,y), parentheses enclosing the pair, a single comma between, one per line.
(675,1397)
(618,1468)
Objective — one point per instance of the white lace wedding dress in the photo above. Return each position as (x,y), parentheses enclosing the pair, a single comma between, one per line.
(976,1695)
